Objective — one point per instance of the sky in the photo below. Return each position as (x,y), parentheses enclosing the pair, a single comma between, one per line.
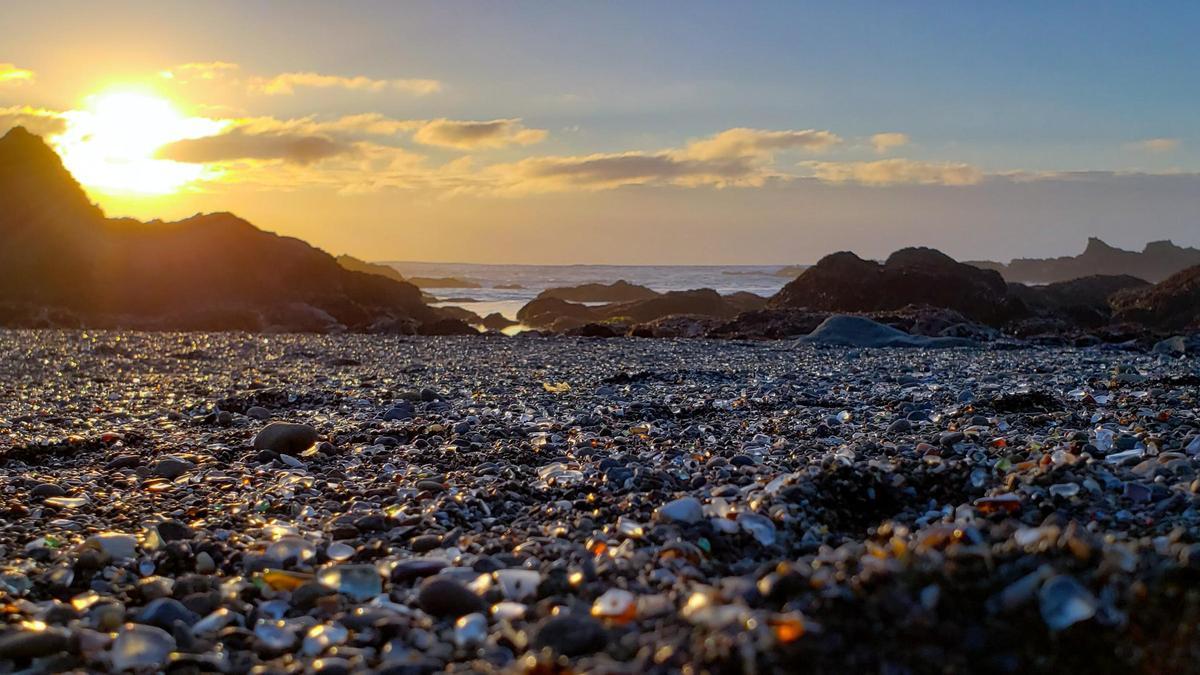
(623,132)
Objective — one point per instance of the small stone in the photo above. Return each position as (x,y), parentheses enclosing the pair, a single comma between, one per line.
(258,412)
(47,490)
(29,644)
(115,545)
(425,542)
(205,563)
(470,631)
(171,467)
(571,635)
(139,647)
(685,510)
(164,612)
(518,584)
(357,582)
(286,437)
(1064,602)
(444,597)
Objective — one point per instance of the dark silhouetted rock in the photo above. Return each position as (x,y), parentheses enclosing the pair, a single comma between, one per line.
(1169,305)
(843,282)
(1083,302)
(213,271)
(447,327)
(496,321)
(544,312)
(441,282)
(1154,263)
(618,291)
(355,265)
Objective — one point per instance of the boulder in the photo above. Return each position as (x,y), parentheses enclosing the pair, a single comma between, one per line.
(618,291)
(857,331)
(843,282)
(1171,304)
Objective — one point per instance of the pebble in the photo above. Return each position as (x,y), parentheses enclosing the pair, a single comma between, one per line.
(286,438)
(666,505)
(444,597)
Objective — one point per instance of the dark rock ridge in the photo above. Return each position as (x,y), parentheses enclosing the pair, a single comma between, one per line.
(1083,302)
(1154,263)
(559,315)
(618,291)
(1172,304)
(356,265)
(843,282)
(62,260)
(441,282)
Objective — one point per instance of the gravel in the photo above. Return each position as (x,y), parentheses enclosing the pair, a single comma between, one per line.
(539,504)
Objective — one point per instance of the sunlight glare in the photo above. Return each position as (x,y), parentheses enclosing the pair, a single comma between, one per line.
(110,144)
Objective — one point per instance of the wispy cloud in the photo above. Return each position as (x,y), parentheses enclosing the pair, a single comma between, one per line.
(734,157)
(1156,145)
(468,135)
(242,144)
(885,141)
(897,172)
(287,83)
(37,120)
(207,70)
(743,142)
(11,75)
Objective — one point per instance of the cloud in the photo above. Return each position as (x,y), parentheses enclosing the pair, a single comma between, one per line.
(1158,145)
(468,135)
(897,172)
(239,143)
(37,120)
(743,142)
(11,75)
(735,157)
(208,70)
(883,142)
(287,83)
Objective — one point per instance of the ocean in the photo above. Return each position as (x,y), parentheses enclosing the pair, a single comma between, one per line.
(758,279)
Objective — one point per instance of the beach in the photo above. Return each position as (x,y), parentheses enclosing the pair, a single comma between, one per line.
(330,504)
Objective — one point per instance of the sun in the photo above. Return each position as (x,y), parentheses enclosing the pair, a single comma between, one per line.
(110,144)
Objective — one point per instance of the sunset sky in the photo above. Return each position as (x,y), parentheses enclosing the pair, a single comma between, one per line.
(681,132)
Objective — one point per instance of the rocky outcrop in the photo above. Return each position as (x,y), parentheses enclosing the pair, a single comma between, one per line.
(618,291)
(1171,304)
(442,282)
(843,282)
(560,315)
(1154,263)
(355,265)
(216,271)
(496,321)
(544,312)
(1083,302)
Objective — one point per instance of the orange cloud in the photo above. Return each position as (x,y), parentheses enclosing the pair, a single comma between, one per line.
(287,83)
(883,142)
(468,135)
(897,172)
